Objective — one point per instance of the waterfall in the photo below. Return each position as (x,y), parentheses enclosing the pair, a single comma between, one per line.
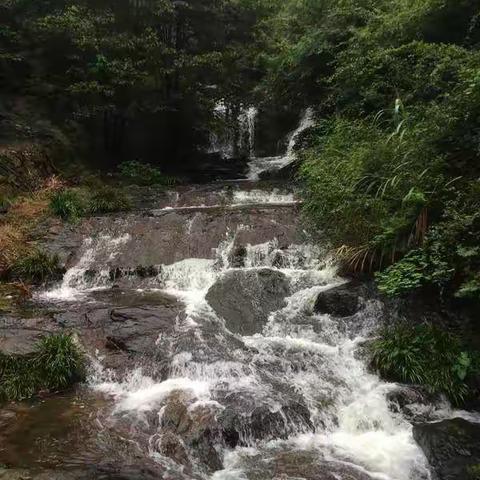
(82,277)
(233,136)
(221,138)
(268,164)
(247,120)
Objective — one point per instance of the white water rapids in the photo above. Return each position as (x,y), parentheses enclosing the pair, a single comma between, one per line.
(312,355)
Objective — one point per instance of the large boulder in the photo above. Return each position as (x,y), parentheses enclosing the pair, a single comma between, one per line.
(128,329)
(452,447)
(245,298)
(344,300)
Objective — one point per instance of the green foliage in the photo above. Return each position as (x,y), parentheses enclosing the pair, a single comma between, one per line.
(56,365)
(392,174)
(377,180)
(404,276)
(406,353)
(72,204)
(144,174)
(68,204)
(470,289)
(130,58)
(37,267)
(108,199)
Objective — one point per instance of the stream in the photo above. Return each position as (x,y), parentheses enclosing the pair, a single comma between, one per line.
(207,357)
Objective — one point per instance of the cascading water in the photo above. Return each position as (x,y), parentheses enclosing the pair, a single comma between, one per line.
(322,410)
(247,131)
(233,135)
(83,277)
(267,164)
(221,140)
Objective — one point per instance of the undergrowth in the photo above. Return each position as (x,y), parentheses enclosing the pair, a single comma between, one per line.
(144,174)
(24,215)
(425,355)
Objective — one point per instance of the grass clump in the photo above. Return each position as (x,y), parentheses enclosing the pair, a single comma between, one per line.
(108,199)
(425,355)
(37,267)
(55,365)
(73,203)
(68,204)
(144,174)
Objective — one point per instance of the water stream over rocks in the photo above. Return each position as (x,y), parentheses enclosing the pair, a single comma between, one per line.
(208,359)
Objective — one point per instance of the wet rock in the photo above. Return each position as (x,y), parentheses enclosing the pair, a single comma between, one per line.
(452,447)
(288,172)
(197,428)
(237,258)
(342,301)
(414,402)
(405,395)
(118,473)
(172,447)
(244,298)
(14,474)
(264,423)
(164,237)
(20,336)
(128,329)
(305,465)
(137,329)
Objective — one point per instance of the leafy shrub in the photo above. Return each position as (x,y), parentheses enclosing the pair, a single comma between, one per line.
(37,267)
(144,174)
(418,268)
(404,276)
(68,204)
(108,200)
(424,355)
(56,365)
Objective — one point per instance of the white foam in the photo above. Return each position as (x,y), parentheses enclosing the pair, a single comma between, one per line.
(245,197)
(140,393)
(387,455)
(76,283)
